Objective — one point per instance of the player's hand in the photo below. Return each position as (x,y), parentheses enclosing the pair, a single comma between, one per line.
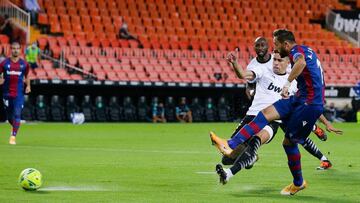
(27,90)
(2,81)
(232,57)
(285,92)
(331,128)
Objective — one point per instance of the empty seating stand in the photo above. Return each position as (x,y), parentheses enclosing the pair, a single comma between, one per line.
(179,25)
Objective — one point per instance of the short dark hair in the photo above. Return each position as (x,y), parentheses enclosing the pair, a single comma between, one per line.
(15,43)
(283,35)
(278,52)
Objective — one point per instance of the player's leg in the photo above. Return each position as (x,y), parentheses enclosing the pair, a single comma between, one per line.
(279,109)
(299,126)
(259,122)
(265,136)
(17,108)
(10,114)
(247,119)
(294,163)
(311,147)
(245,159)
(8,106)
(240,148)
(320,133)
(230,160)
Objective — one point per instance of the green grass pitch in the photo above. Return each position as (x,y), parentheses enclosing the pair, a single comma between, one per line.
(165,163)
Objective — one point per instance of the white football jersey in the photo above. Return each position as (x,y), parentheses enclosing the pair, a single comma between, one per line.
(268,85)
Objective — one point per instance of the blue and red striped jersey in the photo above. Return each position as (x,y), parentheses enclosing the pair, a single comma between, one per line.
(14,74)
(311,84)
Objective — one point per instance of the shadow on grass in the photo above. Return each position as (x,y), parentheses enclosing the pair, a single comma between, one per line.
(41,192)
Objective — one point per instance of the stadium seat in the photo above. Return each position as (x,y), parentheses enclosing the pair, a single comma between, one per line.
(56,109)
(143,109)
(210,110)
(196,110)
(28,109)
(114,109)
(41,108)
(195,25)
(223,110)
(170,109)
(129,110)
(71,106)
(87,108)
(100,109)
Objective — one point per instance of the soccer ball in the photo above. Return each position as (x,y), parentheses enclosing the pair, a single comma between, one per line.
(30,179)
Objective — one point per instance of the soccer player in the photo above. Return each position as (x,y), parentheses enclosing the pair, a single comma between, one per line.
(14,72)
(298,112)
(269,80)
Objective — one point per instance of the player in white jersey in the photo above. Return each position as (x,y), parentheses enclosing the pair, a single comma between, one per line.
(269,76)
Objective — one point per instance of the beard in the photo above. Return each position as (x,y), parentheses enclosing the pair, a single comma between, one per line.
(283,53)
(261,54)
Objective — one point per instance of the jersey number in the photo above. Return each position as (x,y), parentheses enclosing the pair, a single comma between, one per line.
(6,102)
(321,71)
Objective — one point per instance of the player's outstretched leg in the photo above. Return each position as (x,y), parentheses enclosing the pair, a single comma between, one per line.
(247,158)
(249,130)
(310,146)
(320,133)
(240,149)
(294,157)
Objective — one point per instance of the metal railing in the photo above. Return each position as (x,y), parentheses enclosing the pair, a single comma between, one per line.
(145,53)
(62,64)
(18,16)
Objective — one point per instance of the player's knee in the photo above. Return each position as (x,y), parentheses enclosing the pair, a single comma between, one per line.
(270,113)
(264,137)
(266,134)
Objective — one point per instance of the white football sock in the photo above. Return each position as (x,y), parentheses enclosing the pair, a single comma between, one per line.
(323,158)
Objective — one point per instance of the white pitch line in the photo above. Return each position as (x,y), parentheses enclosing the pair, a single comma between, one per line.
(73,188)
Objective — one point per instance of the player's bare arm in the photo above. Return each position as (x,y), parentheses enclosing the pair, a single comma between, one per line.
(1,79)
(28,87)
(297,69)
(329,126)
(241,73)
